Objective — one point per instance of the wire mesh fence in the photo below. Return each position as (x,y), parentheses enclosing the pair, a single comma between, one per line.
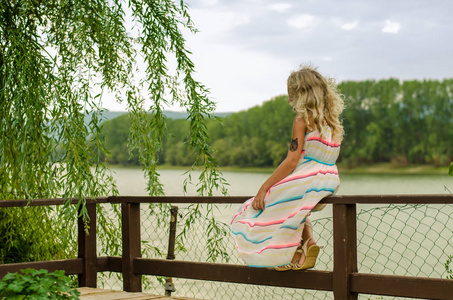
(405,240)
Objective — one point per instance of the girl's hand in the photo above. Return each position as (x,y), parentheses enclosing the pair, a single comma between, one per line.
(258,202)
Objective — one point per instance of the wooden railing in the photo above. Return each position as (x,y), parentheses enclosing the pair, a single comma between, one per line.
(345,281)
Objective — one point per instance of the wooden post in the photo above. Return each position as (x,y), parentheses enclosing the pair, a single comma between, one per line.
(169,285)
(131,246)
(87,248)
(345,249)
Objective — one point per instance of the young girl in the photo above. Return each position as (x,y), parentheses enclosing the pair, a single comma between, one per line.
(272,228)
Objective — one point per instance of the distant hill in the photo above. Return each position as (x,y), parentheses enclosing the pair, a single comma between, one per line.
(174,115)
(183,115)
(113,114)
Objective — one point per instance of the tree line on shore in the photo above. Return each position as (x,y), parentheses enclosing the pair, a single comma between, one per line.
(402,122)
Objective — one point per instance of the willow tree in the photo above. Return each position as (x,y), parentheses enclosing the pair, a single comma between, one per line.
(58,59)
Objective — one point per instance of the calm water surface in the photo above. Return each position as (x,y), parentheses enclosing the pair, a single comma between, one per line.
(131,182)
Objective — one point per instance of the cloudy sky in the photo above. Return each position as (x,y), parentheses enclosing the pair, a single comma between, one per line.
(246,48)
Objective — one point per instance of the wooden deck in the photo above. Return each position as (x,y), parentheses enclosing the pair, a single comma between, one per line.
(87,293)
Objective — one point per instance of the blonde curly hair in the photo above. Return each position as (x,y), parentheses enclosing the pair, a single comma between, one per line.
(317,100)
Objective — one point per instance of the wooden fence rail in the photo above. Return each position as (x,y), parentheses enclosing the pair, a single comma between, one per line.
(345,281)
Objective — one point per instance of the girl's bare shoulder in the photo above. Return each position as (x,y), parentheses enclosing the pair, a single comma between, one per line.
(299,120)
(299,123)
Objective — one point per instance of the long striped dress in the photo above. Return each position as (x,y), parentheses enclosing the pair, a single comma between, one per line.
(269,237)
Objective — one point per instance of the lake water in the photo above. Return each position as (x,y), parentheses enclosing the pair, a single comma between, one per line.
(403,240)
(131,182)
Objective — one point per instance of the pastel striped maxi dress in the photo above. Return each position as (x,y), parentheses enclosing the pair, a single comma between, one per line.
(269,237)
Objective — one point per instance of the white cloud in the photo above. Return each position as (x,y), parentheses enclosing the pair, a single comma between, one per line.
(240,78)
(302,21)
(349,26)
(280,7)
(213,23)
(391,27)
(210,2)
(245,49)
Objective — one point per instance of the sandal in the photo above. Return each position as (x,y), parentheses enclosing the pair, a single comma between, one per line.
(310,256)
(287,267)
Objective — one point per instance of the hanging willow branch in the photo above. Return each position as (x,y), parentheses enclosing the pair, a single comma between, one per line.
(58,59)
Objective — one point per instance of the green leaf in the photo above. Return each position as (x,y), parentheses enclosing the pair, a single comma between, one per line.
(15,287)
(34,287)
(450,170)
(9,276)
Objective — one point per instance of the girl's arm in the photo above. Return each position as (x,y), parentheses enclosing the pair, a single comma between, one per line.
(287,165)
